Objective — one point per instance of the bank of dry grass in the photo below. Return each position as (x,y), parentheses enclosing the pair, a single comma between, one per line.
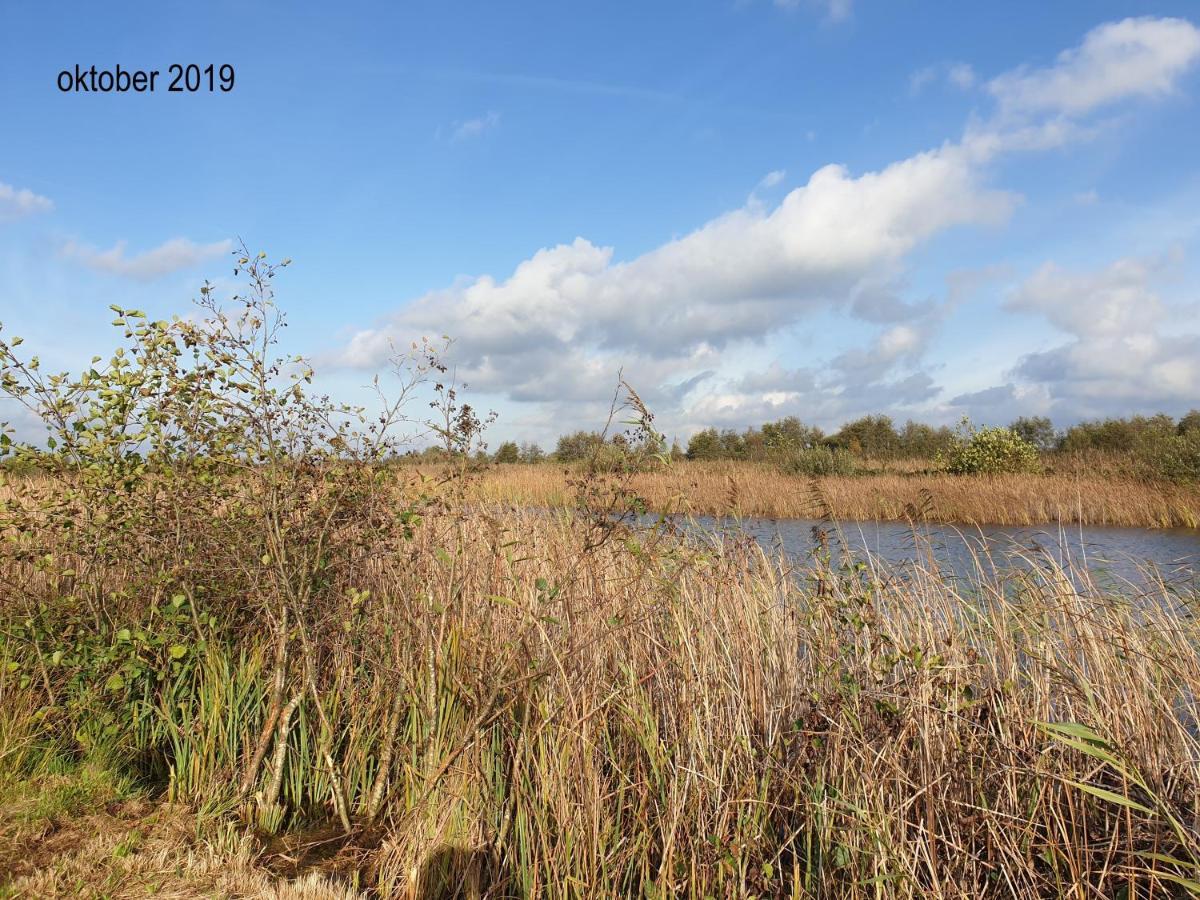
(754,489)
(651,718)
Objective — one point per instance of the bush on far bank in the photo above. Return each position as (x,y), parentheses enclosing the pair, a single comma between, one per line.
(991,451)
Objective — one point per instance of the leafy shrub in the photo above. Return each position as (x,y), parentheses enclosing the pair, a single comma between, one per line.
(578,445)
(711,444)
(508,452)
(818,461)
(991,451)
(874,437)
(1175,457)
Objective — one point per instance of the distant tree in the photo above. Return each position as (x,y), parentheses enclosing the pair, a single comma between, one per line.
(676,451)
(754,444)
(1189,423)
(713,444)
(578,445)
(704,444)
(432,455)
(790,434)
(871,436)
(923,441)
(508,452)
(531,453)
(733,446)
(1038,431)
(1116,435)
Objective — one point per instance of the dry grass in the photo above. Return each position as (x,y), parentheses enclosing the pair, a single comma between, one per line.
(750,489)
(102,846)
(651,718)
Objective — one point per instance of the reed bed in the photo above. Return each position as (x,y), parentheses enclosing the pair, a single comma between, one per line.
(518,710)
(754,489)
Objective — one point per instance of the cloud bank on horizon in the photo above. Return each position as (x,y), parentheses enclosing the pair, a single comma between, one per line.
(554,332)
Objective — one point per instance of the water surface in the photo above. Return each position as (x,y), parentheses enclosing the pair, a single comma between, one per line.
(1112,556)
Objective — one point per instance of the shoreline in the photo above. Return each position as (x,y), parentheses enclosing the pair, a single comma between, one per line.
(751,490)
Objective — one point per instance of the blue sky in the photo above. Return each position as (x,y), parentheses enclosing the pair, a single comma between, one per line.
(757,208)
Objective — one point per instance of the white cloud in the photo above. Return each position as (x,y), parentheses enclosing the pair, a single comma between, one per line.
(961,75)
(1113,301)
(1131,58)
(834,10)
(771,179)
(1128,347)
(16,203)
(170,256)
(921,79)
(473,128)
(956,74)
(1087,198)
(742,275)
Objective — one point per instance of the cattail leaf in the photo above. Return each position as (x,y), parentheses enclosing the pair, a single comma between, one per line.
(1110,796)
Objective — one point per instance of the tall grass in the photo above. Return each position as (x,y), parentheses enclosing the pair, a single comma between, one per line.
(514,713)
(754,489)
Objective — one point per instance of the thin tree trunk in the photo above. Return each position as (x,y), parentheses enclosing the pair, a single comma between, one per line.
(276,705)
(271,797)
(385,757)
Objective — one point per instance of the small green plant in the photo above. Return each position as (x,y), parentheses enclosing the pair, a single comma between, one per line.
(989,451)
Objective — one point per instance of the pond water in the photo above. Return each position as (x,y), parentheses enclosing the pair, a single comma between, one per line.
(1112,556)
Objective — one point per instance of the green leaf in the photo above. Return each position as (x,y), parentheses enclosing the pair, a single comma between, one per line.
(1083,739)
(1169,860)
(124,634)
(114,683)
(1189,884)
(1074,730)
(1110,796)
(178,651)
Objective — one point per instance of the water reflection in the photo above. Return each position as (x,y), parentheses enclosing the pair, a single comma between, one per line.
(1112,557)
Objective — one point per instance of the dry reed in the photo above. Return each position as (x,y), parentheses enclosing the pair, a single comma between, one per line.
(762,490)
(655,717)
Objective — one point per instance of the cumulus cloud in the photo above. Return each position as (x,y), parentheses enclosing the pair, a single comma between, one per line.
(741,276)
(1141,57)
(1116,300)
(1127,347)
(16,203)
(170,256)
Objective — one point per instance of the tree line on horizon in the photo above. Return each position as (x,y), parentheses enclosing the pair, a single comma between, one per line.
(872,437)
